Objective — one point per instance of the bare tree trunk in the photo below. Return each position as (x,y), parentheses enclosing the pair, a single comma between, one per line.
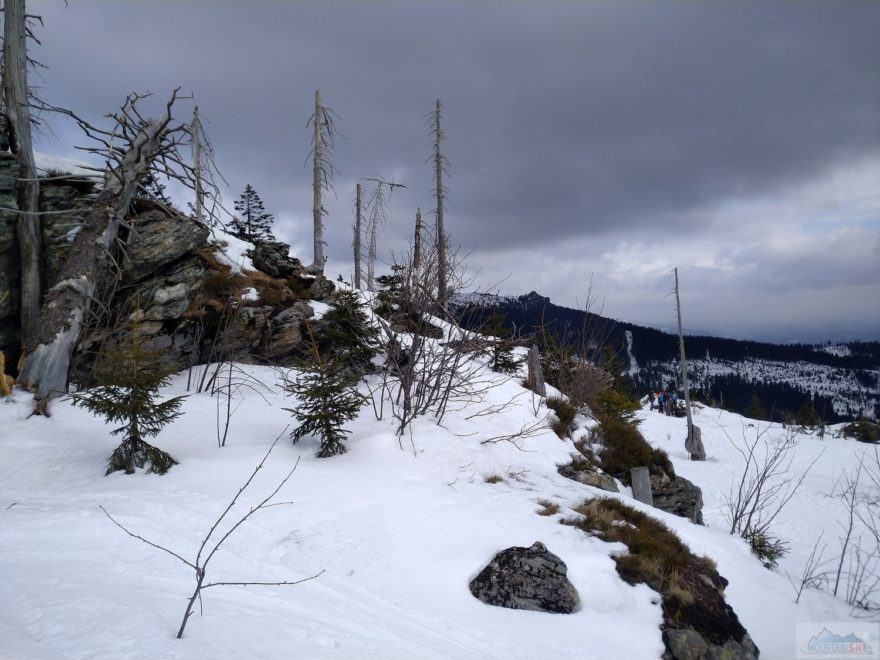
(693,442)
(417,252)
(358,210)
(317,183)
(46,366)
(197,161)
(440,195)
(15,92)
(375,219)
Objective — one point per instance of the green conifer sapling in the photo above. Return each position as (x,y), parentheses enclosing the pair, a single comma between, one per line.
(128,392)
(327,401)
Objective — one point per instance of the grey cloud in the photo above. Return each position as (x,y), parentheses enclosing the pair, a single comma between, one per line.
(563,121)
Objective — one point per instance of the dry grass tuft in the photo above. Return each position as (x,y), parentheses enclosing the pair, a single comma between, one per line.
(548,508)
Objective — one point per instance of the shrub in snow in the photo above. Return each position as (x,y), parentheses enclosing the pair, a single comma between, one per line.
(565,413)
(863,430)
(128,392)
(625,448)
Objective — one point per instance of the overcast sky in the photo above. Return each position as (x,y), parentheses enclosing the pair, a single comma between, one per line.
(739,141)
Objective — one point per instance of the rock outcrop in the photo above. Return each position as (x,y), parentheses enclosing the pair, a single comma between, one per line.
(184,299)
(589,476)
(678,496)
(526,579)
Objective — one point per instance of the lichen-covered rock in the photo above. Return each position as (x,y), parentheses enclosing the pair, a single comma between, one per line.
(284,334)
(320,287)
(685,645)
(273,258)
(589,477)
(678,496)
(158,239)
(688,644)
(526,579)
(167,296)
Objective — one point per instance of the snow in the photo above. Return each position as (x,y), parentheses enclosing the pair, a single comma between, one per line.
(250,294)
(46,162)
(232,251)
(398,526)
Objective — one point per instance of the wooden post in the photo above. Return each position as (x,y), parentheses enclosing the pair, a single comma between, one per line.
(641,485)
(536,375)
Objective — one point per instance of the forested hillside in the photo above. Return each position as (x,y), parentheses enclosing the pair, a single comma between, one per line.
(838,382)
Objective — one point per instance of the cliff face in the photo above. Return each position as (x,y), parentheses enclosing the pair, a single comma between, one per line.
(171,280)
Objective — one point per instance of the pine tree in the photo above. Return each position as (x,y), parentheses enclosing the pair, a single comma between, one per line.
(128,392)
(348,337)
(254,224)
(327,401)
(503,359)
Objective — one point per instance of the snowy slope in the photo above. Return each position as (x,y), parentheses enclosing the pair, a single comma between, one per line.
(398,528)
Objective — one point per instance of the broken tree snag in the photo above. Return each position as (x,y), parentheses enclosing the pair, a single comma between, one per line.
(693,443)
(135,147)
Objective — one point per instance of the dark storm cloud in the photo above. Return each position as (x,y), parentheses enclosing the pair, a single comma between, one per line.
(563,119)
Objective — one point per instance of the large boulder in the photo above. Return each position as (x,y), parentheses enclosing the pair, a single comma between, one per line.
(678,496)
(526,579)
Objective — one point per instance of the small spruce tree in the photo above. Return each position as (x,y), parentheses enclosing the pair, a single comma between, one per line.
(502,357)
(255,224)
(348,337)
(128,392)
(327,400)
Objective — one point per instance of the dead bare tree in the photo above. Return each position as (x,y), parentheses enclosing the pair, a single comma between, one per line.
(378,210)
(417,251)
(133,148)
(323,136)
(763,489)
(440,171)
(17,104)
(358,233)
(427,356)
(693,442)
(814,574)
(857,574)
(209,547)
